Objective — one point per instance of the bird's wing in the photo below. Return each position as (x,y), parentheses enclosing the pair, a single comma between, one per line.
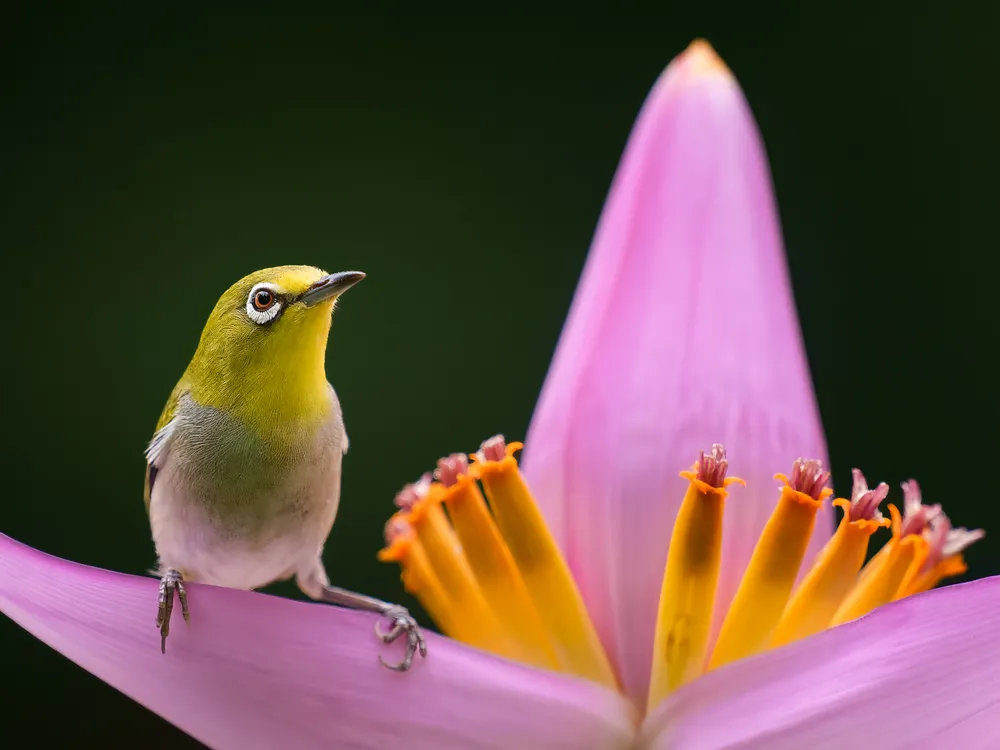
(340,415)
(156,451)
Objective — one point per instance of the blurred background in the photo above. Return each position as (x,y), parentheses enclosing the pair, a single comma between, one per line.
(152,159)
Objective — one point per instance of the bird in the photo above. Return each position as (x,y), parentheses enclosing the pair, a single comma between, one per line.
(243,470)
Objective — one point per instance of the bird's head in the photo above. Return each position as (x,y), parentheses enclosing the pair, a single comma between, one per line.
(262,352)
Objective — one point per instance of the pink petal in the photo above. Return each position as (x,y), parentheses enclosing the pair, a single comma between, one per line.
(682,333)
(257,671)
(919,673)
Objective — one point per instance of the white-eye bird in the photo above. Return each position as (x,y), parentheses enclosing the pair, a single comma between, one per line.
(243,471)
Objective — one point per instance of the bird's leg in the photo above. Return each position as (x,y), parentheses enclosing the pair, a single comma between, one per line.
(316,585)
(401,619)
(171,581)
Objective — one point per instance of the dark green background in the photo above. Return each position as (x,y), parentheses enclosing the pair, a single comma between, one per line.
(151,160)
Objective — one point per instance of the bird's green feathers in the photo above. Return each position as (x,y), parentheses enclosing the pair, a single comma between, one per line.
(265,376)
(270,379)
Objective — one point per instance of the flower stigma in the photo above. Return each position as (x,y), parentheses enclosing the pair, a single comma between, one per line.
(472,619)
(885,573)
(944,556)
(767,583)
(832,576)
(491,561)
(689,580)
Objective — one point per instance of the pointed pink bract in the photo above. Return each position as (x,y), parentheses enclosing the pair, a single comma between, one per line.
(682,333)
(257,671)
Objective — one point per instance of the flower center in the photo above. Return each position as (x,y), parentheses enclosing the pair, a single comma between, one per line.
(476,552)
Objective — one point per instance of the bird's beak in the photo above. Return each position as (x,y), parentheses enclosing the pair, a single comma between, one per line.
(330,286)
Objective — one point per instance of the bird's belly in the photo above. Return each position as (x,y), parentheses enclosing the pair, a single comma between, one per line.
(196,548)
(244,521)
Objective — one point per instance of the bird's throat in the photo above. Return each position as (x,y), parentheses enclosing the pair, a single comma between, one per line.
(277,388)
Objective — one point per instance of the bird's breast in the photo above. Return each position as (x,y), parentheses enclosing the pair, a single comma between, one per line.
(225,493)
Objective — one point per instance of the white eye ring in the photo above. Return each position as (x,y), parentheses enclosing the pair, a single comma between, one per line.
(263,304)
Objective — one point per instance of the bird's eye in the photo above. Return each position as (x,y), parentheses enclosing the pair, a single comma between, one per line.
(264,304)
(263,300)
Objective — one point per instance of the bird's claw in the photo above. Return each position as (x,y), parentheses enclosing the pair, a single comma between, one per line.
(171,582)
(402,622)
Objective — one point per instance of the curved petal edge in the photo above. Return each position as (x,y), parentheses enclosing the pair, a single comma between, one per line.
(918,673)
(258,671)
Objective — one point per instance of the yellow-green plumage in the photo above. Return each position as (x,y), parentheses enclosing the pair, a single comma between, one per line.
(272,381)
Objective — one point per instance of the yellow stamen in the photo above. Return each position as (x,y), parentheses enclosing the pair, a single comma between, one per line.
(479,627)
(688,591)
(830,580)
(544,570)
(943,559)
(879,587)
(878,559)
(946,568)
(420,580)
(494,568)
(763,592)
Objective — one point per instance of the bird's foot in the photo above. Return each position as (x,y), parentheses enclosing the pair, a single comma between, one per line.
(316,586)
(172,581)
(402,622)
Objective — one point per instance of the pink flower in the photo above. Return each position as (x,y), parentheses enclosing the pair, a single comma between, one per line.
(645,609)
